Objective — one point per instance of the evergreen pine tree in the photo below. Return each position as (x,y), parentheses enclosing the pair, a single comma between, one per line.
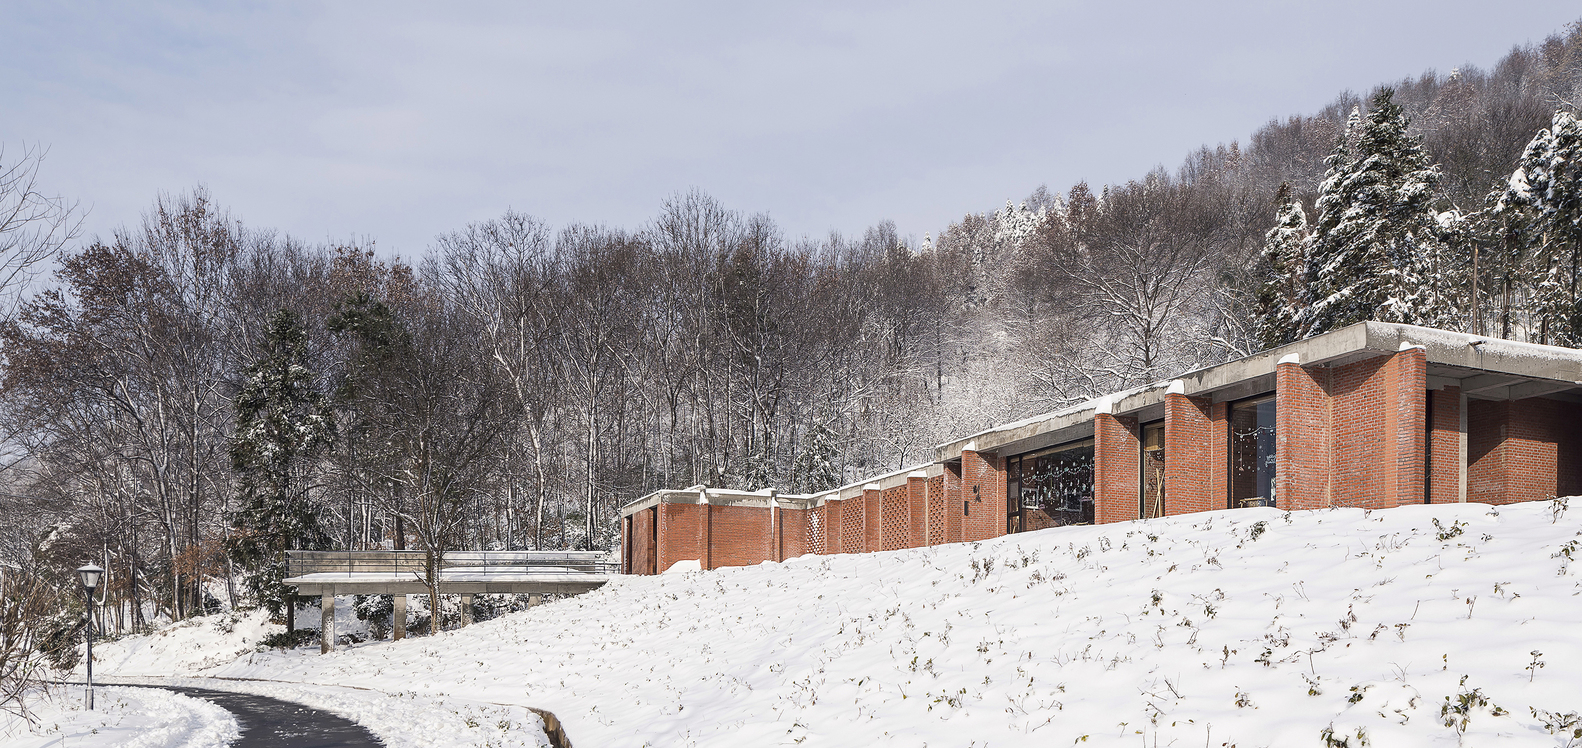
(814,469)
(282,424)
(1377,233)
(1543,201)
(1281,305)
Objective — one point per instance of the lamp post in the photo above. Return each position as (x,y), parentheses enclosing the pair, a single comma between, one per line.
(90,576)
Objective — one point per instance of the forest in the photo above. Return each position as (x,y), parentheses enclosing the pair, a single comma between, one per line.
(188,397)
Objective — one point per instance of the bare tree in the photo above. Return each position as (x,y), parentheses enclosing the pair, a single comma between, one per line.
(34,225)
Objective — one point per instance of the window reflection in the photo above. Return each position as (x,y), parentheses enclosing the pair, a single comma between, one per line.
(1252,453)
(1151,492)
(1054,487)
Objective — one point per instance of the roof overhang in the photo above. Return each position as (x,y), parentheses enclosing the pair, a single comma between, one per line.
(1483,367)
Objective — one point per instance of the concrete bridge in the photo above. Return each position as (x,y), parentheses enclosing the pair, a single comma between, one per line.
(466,573)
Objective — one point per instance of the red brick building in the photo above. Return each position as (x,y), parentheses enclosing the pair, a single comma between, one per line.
(1373,415)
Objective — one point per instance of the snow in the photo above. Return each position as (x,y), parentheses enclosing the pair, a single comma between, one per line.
(1248,627)
(122,718)
(685,565)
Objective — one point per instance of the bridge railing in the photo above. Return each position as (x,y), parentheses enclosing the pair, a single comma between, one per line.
(404,563)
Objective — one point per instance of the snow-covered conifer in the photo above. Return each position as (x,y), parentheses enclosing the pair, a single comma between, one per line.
(282,423)
(1282,304)
(1377,230)
(1543,202)
(814,469)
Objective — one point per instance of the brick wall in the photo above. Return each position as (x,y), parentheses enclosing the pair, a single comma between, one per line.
(736,536)
(934,532)
(1523,450)
(1378,439)
(917,511)
(1189,457)
(1360,434)
(953,498)
(872,520)
(1116,455)
(1219,448)
(680,526)
(640,558)
(1444,445)
(1302,437)
(983,487)
(793,531)
(1407,388)
(833,532)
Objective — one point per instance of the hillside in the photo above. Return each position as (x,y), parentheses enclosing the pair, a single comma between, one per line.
(1248,627)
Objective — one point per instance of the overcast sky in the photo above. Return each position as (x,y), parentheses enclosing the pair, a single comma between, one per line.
(401,121)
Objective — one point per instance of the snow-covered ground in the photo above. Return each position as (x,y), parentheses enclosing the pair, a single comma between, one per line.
(1423,625)
(121,718)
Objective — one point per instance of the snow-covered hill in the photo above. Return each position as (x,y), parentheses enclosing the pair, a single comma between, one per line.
(1424,625)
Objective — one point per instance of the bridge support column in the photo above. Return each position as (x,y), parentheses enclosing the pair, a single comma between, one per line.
(466,610)
(535,599)
(398,619)
(327,623)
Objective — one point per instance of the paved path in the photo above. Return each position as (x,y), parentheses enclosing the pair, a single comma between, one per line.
(272,723)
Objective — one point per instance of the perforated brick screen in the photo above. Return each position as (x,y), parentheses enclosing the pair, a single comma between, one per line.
(936,510)
(851,527)
(895,523)
(815,532)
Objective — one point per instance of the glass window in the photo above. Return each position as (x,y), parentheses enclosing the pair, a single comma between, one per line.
(1151,494)
(1053,487)
(1252,453)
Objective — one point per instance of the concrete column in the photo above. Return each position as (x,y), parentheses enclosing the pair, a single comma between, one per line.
(466,610)
(534,599)
(398,618)
(327,623)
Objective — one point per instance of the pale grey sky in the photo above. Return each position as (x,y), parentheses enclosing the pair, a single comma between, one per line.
(398,121)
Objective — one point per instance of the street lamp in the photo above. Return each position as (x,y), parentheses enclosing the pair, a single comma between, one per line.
(90,576)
